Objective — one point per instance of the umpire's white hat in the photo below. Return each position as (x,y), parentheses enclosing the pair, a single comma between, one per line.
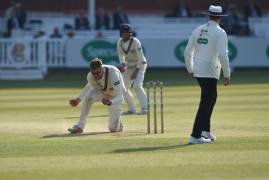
(215,11)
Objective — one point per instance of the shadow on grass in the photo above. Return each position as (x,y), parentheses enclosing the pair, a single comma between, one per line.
(116,134)
(129,134)
(154,148)
(74,135)
(91,116)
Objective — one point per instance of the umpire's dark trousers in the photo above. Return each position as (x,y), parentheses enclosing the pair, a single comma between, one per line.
(208,99)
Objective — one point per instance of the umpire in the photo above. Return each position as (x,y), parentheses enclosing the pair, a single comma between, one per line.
(205,55)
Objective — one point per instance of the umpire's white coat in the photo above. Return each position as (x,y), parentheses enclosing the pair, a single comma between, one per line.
(111,85)
(207,51)
(131,53)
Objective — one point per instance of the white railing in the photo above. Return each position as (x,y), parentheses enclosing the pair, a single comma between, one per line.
(21,54)
(55,53)
(22,59)
(30,53)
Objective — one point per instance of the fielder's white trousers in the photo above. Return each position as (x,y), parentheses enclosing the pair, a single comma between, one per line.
(114,111)
(137,85)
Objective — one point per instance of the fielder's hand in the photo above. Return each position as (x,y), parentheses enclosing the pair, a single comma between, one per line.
(122,67)
(106,101)
(74,102)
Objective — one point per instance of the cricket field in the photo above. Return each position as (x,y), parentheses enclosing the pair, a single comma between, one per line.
(34,143)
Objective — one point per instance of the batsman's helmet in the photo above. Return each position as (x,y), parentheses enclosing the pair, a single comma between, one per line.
(125,28)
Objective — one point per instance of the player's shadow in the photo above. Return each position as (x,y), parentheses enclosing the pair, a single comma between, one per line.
(91,116)
(74,135)
(154,148)
(117,134)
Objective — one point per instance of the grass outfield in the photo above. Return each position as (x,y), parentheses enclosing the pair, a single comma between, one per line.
(34,143)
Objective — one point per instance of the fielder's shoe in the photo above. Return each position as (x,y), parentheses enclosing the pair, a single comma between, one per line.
(208,135)
(128,113)
(200,140)
(75,130)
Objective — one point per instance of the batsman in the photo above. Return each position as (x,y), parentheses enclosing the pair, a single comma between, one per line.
(133,67)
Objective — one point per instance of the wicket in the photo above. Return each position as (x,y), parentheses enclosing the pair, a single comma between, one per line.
(155,84)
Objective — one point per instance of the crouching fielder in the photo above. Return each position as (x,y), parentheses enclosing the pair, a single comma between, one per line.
(105,84)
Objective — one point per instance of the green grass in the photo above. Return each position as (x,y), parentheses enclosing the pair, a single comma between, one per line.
(34,143)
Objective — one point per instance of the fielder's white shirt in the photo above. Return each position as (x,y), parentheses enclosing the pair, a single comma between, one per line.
(110,85)
(131,52)
(207,51)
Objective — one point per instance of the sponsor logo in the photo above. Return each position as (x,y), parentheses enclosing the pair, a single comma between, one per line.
(179,50)
(232,51)
(202,41)
(101,49)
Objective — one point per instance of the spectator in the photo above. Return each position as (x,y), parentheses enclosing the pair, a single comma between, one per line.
(15,18)
(12,23)
(252,10)
(231,23)
(181,10)
(56,33)
(8,12)
(9,15)
(119,17)
(102,20)
(82,22)
(21,15)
